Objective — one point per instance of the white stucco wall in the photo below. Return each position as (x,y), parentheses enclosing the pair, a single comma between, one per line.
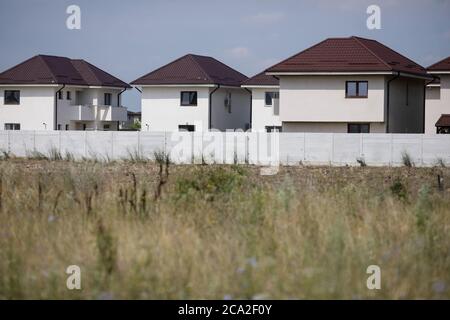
(322,99)
(239,118)
(437,103)
(36,108)
(263,115)
(161,109)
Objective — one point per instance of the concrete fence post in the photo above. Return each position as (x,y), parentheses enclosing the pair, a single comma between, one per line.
(85,144)
(304,146)
(9,141)
(34,141)
(391,161)
(139,143)
(112,145)
(332,149)
(59,141)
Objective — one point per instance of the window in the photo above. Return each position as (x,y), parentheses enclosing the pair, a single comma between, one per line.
(84,126)
(68,95)
(12,126)
(270,96)
(60,95)
(108,99)
(186,128)
(358,128)
(106,127)
(188,98)
(59,127)
(273,129)
(356,89)
(12,97)
(67,127)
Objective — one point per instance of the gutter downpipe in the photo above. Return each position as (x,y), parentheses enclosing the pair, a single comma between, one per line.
(56,107)
(251,107)
(388,99)
(210,106)
(118,96)
(138,89)
(425,99)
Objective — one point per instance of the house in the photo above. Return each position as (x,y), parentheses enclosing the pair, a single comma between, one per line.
(133,121)
(351,85)
(58,93)
(265,106)
(194,93)
(438,98)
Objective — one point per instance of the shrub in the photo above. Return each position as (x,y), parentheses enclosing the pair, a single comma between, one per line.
(398,189)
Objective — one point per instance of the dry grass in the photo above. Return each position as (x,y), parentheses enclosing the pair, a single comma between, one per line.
(214,231)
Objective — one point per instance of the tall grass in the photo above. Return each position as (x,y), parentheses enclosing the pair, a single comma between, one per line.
(221,231)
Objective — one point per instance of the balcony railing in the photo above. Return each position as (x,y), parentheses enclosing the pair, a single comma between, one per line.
(97,113)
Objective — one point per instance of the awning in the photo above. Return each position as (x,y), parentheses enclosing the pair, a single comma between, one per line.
(444,121)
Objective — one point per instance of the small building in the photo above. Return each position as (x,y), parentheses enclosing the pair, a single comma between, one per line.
(194,93)
(352,85)
(58,93)
(438,98)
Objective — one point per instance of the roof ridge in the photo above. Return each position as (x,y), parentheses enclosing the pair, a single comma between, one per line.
(93,67)
(358,40)
(191,56)
(48,68)
(297,54)
(90,70)
(163,66)
(440,61)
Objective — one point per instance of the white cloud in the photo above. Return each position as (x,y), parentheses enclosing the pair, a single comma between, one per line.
(239,52)
(264,18)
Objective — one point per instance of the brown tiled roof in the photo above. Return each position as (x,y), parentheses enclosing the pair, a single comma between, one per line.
(352,54)
(43,69)
(443,65)
(193,69)
(444,121)
(261,79)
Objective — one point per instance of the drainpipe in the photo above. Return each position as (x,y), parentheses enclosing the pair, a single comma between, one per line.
(251,107)
(56,107)
(388,99)
(210,105)
(424,100)
(118,96)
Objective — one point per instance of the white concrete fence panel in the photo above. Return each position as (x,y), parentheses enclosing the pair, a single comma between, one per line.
(234,147)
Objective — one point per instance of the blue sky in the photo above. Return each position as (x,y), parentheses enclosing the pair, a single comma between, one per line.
(131,38)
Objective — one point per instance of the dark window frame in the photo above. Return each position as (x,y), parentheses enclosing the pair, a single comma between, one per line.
(15,126)
(68,95)
(360,125)
(193,102)
(357,96)
(273,95)
(270,129)
(186,128)
(9,103)
(60,95)
(105,100)
(67,127)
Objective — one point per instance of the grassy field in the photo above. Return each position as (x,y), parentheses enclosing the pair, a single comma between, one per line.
(139,230)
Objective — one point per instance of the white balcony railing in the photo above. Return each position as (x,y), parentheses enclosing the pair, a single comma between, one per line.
(97,113)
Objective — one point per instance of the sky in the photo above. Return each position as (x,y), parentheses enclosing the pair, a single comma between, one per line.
(131,38)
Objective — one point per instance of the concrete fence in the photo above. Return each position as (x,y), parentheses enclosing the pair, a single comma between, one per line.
(234,147)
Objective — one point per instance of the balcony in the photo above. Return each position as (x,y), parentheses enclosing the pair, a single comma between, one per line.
(97,113)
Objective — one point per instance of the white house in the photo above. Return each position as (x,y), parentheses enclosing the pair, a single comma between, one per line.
(58,93)
(265,106)
(194,93)
(351,85)
(438,99)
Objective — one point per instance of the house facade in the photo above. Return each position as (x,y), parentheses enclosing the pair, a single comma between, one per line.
(265,102)
(194,93)
(351,85)
(438,99)
(58,93)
